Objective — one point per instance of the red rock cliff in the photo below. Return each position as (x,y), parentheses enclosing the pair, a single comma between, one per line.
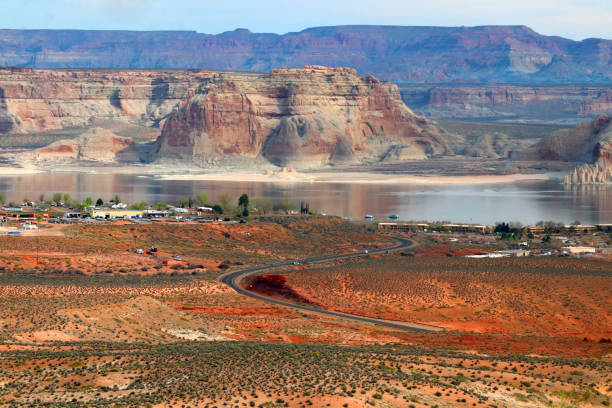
(302,117)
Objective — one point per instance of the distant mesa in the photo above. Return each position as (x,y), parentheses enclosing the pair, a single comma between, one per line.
(403,54)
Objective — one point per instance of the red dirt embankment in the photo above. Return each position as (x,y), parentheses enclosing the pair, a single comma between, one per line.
(274,285)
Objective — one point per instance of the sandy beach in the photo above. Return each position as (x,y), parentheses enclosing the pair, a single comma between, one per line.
(352,177)
(286,175)
(17,171)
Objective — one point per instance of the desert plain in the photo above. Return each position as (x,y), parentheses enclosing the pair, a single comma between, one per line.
(87,321)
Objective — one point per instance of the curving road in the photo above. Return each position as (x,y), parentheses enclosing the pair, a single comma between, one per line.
(232,279)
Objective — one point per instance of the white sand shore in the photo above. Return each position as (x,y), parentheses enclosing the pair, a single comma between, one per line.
(17,171)
(280,176)
(357,178)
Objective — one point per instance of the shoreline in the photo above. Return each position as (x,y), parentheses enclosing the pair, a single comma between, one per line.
(356,178)
(286,176)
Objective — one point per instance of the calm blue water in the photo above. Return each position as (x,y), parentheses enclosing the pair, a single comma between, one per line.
(526,202)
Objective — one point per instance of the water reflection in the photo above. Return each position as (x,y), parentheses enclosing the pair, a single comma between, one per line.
(527,202)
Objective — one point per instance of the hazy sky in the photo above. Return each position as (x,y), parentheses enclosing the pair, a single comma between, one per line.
(577,19)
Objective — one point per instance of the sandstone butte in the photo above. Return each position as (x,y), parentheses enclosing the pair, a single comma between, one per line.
(299,117)
(589,142)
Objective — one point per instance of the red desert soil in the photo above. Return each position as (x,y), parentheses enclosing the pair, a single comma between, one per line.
(556,301)
(274,285)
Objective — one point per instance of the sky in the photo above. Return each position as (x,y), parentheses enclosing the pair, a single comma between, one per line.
(575,19)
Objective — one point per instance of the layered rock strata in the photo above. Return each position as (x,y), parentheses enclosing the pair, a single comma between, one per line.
(300,117)
(48,100)
(96,144)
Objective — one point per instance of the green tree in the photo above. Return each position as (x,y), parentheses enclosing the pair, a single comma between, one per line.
(87,202)
(217,209)
(183,202)
(263,205)
(139,206)
(99,202)
(284,206)
(67,198)
(1,199)
(57,198)
(202,199)
(160,206)
(243,201)
(116,200)
(225,201)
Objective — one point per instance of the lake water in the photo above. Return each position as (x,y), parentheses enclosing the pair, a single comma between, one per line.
(527,202)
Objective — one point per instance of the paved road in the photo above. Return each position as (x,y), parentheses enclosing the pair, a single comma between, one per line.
(232,279)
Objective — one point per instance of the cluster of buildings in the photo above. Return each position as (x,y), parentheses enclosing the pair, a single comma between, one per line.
(106,212)
(486,229)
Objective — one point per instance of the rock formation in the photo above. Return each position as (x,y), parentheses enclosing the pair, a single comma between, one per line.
(599,173)
(588,142)
(493,54)
(298,117)
(493,146)
(549,103)
(96,144)
(46,100)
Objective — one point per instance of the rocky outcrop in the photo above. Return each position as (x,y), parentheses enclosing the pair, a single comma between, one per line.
(588,142)
(47,100)
(599,173)
(96,144)
(492,54)
(559,103)
(493,146)
(299,117)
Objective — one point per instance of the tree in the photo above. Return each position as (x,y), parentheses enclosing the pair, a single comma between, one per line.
(99,202)
(57,198)
(243,201)
(225,201)
(67,198)
(263,205)
(284,206)
(304,207)
(87,202)
(183,202)
(1,199)
(190,201)
(160,206)
(217,209)
(139,206)
(202,199)
(116,200)
(502,227)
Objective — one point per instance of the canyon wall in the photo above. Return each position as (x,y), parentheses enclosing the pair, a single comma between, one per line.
(485,54)
(559,103)
(47,100)
(300,117)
